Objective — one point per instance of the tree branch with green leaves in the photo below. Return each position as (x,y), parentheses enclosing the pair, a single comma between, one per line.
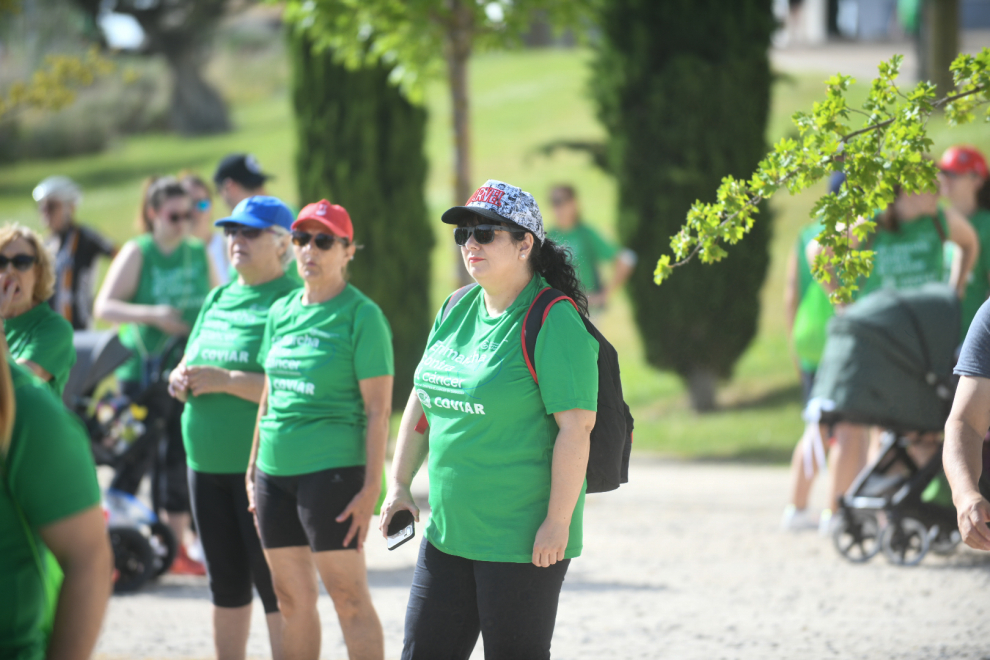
(54,86)
(884,154)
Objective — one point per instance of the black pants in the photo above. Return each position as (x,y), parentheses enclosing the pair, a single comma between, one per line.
(452,599)
(234,559)
(163,455)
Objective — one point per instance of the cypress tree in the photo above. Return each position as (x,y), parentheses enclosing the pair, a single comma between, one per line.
(360,145)
(683,88)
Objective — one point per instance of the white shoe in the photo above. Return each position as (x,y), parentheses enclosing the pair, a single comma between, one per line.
(195,551)
(796,520)
(827,522)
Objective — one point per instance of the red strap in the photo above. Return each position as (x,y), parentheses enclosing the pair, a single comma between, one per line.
(546,312)
(422,425)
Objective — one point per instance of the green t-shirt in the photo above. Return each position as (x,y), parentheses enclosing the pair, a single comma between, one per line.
(217,429)
(291,271)
(44,337)
(50,471)
(492,429)
(978,285)
(180,280)
(589,249)
(906,258)
(314,357)
(814,309)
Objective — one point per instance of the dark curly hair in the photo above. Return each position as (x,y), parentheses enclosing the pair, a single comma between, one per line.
(553,262)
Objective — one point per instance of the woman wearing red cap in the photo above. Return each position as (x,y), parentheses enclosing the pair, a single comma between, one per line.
(963,182)
(314,475)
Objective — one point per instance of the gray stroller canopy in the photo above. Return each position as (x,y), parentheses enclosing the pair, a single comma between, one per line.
(888,360)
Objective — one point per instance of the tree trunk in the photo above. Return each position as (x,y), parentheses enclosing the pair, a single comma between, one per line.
(196,108)
(938,42)
(458,52)
(701,384)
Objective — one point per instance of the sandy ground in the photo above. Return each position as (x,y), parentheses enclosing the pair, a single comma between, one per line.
(686,561)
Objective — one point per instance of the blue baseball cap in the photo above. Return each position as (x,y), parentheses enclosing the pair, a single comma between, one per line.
(260,211)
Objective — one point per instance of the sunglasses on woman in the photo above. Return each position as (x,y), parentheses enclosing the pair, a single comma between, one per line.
(483,234)
(249,233)
(176,218)
(321,240)
(21,262)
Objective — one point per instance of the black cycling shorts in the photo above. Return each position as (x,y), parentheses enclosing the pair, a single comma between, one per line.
(234,559)
(303,509)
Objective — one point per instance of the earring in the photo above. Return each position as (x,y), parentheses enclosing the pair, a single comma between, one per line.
(522,256)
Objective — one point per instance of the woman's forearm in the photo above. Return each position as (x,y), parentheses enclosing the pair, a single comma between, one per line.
(570,464)
(256,440)
(376,440)
(118,311)
(410,447)
(246,385)
(962,458)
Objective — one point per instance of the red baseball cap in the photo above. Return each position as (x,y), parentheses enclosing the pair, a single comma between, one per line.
(964,160)
(332,216)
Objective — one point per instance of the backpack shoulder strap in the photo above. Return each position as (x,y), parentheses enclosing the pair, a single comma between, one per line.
(536,315)
(455,298)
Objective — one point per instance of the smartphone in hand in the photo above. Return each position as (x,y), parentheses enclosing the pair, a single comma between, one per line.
(401,528)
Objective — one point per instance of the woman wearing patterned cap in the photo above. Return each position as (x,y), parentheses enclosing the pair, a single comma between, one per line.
(314,475)
(963,180)
(507,456)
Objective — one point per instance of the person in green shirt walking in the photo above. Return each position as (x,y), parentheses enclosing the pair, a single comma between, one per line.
(220,381)
(507,456)
(155,288)
(963,181)
(589,249)
(314,474)
(35,336)
(50,523)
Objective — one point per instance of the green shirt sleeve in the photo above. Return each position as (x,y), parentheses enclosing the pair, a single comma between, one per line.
(566,362)
(372,343)
(603,249)
(51,348)
(51,469)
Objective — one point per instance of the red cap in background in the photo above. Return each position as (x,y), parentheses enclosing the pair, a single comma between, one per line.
(964,160)
(332,216)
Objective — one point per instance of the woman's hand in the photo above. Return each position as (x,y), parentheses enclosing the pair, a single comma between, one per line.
(178,383)
(973,517)
(359,511)
(207,380)
(551,542)
(8,290)
(249,488)
(397,499)
(168,320)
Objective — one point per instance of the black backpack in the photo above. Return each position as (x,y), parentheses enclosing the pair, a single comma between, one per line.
(611,439)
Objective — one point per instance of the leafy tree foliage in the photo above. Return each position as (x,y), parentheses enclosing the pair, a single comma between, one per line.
(360,145)
(683,87)
(54,86)
(887,150)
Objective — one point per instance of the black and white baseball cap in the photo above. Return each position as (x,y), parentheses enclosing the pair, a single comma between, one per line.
(242,168)
(501,202)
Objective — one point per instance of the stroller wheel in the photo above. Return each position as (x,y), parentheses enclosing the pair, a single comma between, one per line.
(905,542)
(133,559)
(857,535)
(164,547)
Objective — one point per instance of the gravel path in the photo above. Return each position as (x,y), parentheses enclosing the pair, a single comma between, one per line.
(684,562)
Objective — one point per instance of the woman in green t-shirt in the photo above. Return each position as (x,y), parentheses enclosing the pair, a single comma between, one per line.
(314,475)
(507,456)
(49,514)
(155,288)
(965,182)
(36,336)
(220,382)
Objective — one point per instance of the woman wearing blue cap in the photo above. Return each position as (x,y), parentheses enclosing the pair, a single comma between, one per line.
(221,383)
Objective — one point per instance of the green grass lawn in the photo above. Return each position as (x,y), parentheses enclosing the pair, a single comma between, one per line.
(520,101)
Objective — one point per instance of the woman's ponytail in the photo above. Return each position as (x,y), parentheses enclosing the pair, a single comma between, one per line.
(553,262)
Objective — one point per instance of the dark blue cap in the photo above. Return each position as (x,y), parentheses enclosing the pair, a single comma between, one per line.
(260,211)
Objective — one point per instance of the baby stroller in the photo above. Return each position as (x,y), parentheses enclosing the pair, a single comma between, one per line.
(119,428)
(888,363)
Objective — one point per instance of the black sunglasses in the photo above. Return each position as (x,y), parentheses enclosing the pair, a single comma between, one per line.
(321,240)
(249,233)
(179,217)
(484,234)
(21,262)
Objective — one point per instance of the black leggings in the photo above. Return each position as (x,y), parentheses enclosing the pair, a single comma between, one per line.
(453,599)
(230,542)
